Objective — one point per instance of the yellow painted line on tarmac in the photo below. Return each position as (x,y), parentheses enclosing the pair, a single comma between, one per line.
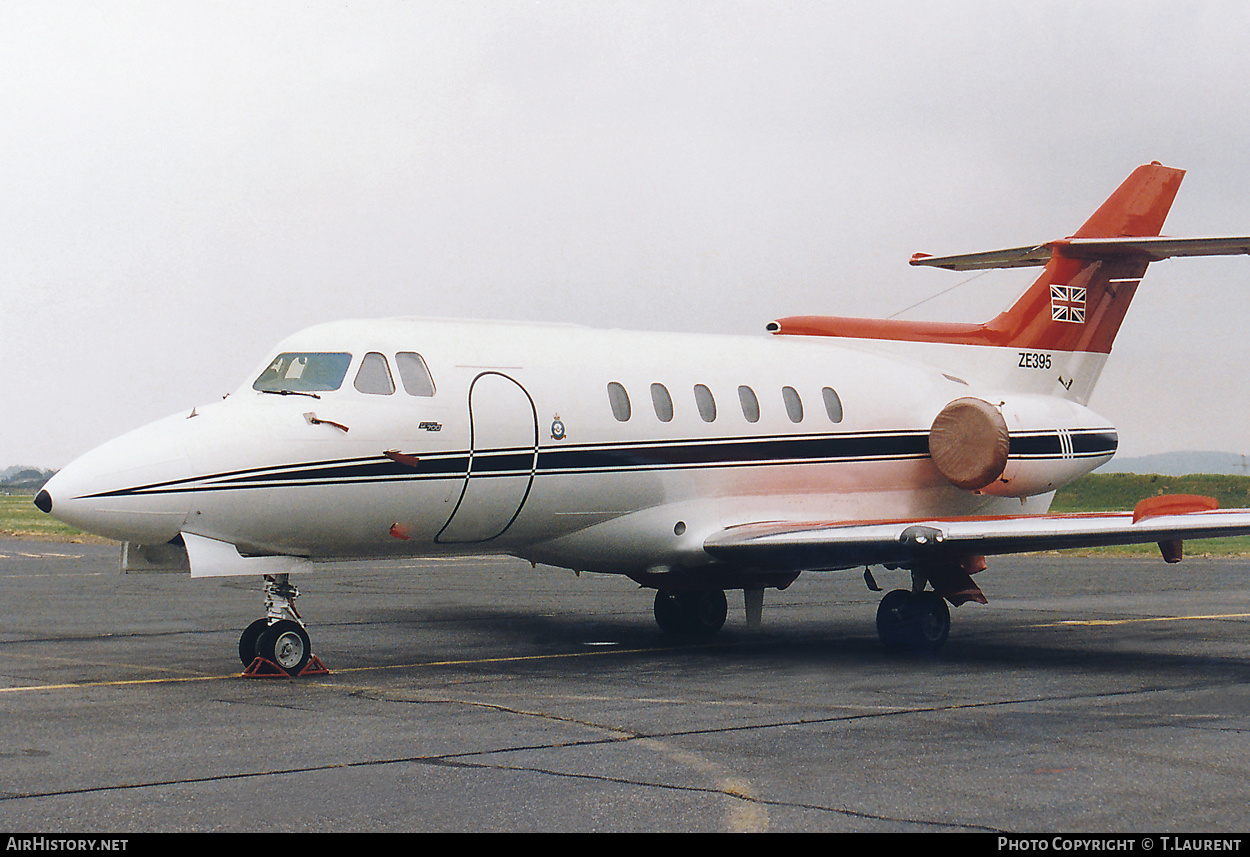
(83,685)
(1096,622)
(598,652)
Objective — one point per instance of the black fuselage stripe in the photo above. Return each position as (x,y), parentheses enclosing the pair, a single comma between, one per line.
(1082,444)
(616,458)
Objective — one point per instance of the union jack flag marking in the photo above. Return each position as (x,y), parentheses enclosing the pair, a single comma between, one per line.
(1067,303)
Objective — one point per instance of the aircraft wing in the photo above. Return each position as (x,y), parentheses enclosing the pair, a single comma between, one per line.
(1150,249)
(826,546)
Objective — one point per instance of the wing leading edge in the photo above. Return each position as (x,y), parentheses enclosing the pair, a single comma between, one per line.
(814,546)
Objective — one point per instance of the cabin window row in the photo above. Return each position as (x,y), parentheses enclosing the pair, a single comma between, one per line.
(705,403)
(313,372)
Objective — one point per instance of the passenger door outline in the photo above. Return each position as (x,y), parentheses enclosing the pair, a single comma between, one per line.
(503,456)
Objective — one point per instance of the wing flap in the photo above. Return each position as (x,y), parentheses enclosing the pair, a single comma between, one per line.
(828,546)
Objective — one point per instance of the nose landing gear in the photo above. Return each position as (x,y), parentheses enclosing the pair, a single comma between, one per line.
(278,644)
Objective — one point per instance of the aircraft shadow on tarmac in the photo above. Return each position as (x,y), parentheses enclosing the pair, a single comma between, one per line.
(494,633)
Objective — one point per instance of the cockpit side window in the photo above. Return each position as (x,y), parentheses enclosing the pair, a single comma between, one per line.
(374,375)
(414,374)
(304,372)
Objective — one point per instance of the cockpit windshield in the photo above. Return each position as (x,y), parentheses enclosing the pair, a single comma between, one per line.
(304,372)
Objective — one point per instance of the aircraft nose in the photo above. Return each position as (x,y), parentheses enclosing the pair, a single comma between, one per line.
(122,490)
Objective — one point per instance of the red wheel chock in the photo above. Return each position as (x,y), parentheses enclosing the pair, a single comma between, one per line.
(261,668)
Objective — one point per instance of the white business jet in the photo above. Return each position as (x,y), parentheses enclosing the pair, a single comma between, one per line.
(690,464)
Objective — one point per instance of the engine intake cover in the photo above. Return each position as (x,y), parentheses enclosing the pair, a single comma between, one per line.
(969,442)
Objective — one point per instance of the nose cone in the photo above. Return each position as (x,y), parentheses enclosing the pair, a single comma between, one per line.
(127,489)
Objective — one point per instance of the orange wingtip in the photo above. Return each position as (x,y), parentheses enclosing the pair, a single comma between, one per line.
(1173,504)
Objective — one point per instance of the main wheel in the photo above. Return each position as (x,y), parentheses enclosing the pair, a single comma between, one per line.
(913,621)
(286,644)
(895,620)
(706,612)
(691,614)
(932,621)
(250,639)
(668,613)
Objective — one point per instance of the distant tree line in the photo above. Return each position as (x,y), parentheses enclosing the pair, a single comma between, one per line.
(24,478)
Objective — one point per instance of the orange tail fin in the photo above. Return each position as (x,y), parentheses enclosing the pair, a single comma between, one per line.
(1078,302)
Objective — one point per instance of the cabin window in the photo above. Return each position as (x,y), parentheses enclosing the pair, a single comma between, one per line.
(794,405)
(705,402)
(619,400)
(663,402)
(374,376)
(833,404)
(750,404)
(304,372)
(414,374)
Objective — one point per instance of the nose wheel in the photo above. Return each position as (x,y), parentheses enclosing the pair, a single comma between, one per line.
(249,643)
(279,639)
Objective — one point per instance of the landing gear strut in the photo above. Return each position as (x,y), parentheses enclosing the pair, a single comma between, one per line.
(913,621)
(279,637)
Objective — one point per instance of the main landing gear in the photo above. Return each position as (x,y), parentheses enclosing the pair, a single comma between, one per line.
(279,638)
(908,620)
(691,615)
(913,621)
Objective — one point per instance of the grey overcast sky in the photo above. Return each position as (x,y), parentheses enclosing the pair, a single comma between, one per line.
(183,184)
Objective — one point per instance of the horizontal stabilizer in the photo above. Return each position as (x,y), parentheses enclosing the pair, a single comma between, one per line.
(1148,249)
(826,546)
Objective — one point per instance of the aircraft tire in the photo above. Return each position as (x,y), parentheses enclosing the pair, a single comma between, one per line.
(707,612)
(667,612)
(894,619)
(250,641)
(913,622)
(933,621)
(286,644)
(691,615)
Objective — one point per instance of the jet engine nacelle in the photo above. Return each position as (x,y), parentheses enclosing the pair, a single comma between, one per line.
(1018,446)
